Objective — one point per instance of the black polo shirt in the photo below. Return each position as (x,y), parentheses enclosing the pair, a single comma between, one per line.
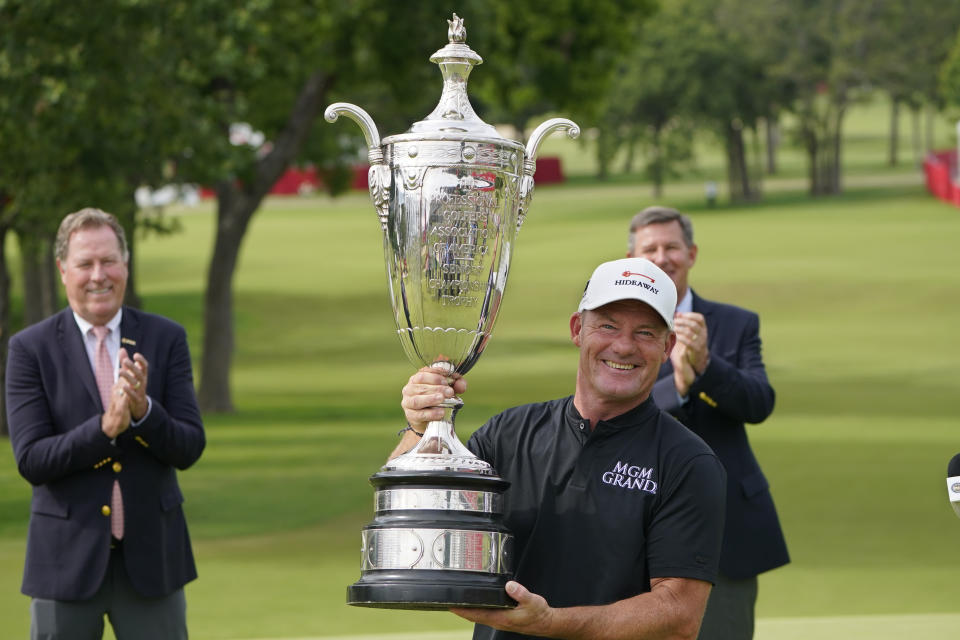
(597,513)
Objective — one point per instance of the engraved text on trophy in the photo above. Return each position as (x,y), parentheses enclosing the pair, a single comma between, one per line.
(458,236)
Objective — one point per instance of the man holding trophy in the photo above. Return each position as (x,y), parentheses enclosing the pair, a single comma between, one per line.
(593,516)
(615,507)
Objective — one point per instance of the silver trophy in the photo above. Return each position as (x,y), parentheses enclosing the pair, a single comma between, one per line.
(451,195)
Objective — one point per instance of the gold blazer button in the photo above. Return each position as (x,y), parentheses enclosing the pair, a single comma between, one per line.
(105,509)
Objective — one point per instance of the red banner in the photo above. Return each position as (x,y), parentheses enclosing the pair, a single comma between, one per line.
(940,168)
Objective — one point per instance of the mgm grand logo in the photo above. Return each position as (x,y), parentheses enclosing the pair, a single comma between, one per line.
(631,477)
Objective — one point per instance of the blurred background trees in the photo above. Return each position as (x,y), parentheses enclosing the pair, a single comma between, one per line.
(950,77)
(101,97)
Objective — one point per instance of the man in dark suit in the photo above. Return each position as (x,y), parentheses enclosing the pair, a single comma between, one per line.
(713,383)
(99,433)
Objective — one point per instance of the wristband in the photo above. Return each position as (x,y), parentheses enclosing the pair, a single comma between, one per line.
(409,428)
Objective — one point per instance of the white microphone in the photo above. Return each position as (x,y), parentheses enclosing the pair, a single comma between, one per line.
(953,483)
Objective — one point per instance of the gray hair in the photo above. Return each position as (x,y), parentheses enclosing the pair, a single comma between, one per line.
(659,215)
(89,218)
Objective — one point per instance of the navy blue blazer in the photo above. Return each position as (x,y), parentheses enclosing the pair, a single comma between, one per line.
(732,391)
(54,410)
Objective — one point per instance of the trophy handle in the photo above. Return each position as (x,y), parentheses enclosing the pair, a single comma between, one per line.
(359,116)
(530,160)
(541,132)
(378,178)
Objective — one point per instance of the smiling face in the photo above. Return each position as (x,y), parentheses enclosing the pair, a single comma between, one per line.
(94,274)
(663,244)
(622,345)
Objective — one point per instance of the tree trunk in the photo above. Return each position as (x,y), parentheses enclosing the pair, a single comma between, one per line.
(813,157)
(4,330)
(606,149)
(915,136)
(657,189)
(822,140)
(39,279)
(738,174)
(520,126)
(824,164)
(836,181)
(756,165)
(127,218)
(235,207)
(233,217)
(656,166)
(132,298)
(773,141)
(630,158)
(892,146)
(928,129)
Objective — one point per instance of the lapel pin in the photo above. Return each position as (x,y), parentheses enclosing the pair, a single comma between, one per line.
(128,341)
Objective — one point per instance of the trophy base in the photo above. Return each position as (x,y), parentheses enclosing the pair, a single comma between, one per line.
(437,542)
(427,591)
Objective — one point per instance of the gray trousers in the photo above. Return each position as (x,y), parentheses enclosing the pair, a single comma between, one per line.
(132,616)
(729,614)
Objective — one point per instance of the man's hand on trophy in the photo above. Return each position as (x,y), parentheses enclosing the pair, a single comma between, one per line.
(532,615)
(424,392)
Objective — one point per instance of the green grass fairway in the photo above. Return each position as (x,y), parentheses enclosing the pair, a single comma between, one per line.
(858,296)
(847,627)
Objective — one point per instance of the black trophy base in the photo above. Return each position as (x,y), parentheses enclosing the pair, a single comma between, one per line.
(389,580)
(429,590)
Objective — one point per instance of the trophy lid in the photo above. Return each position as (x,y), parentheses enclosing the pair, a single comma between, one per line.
(454,114)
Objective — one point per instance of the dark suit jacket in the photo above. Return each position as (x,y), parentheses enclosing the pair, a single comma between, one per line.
(733,390)
(54,410)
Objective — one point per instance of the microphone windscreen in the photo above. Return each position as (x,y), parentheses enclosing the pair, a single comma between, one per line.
(953,469)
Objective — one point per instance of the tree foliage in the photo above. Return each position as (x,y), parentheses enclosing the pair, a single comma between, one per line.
(830,54)
(103,97)
(371,53)
(100,97)
(85,103)
(949,77)
(686,70)
(727,66)
(545,56)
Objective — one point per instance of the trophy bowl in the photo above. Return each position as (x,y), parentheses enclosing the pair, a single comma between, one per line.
(451,195)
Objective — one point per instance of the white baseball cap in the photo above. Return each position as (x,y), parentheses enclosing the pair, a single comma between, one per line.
(632,279)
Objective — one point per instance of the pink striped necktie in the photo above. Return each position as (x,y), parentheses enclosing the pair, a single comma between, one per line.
(104,374)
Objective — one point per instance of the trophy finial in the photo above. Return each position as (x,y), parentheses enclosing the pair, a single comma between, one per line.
(456,32)
(454,114)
